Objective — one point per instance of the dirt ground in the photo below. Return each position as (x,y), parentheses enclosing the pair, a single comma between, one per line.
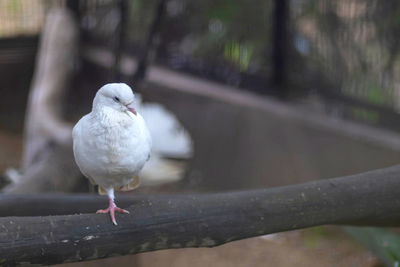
(318,246)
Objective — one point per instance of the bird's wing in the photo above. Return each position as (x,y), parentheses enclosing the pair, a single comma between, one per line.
(101,190)
(76,131)
(128,187)
(148,139)
(92,181)
(132,185)
(76,136)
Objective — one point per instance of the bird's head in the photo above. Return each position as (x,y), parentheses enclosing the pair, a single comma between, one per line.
(118,96)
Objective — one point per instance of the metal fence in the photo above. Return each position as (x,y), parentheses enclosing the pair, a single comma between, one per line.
(340,54)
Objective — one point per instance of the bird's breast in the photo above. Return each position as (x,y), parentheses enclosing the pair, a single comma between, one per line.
(112,152)
(124,147)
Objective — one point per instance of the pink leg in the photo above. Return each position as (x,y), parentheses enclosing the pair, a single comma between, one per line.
(112,208)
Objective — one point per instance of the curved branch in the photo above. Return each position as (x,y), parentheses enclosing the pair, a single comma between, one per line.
(48,163)
(58,204)
(54,65)
(203,220)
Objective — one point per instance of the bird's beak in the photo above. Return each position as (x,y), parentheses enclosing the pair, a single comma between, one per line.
(131,109)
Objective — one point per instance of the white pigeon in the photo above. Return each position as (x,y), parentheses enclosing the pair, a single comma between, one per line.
(112,143)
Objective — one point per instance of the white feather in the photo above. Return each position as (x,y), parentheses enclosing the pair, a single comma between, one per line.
(111,144)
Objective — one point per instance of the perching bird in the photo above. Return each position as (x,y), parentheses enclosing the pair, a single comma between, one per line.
(112,143)
(172,145)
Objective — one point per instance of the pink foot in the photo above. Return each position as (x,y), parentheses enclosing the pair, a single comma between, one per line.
(112,208)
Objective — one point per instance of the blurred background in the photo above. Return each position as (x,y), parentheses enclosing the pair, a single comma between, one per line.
(238,95)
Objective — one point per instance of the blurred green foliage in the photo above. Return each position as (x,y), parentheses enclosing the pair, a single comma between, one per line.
(354,44)
(13,6)
(384,243)
(238,53)
(314,236)
(364,115)
(140,18)
(234,33)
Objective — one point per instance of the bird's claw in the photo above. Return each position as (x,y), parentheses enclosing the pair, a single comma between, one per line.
(112,209)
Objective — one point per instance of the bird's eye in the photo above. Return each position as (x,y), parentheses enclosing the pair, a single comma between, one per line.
(116,99)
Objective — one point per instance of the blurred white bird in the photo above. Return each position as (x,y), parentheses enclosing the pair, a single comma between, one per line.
(112,143)
(172,145)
